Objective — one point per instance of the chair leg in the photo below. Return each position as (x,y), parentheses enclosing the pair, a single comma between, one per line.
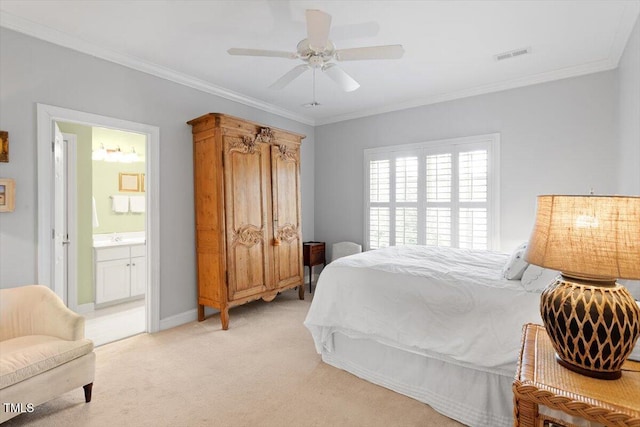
(87,392)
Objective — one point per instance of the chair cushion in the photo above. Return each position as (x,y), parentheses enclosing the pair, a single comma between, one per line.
(27,356)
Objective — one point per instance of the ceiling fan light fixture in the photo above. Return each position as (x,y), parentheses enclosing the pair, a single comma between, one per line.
(317,52)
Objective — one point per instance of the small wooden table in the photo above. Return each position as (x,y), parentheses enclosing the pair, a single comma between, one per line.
(313,254)
(541,380)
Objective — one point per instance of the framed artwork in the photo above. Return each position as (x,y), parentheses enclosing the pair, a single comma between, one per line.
(142,187)
(7,195)
(129,182)
(4,146)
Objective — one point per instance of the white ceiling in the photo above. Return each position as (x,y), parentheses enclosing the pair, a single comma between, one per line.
(449,45)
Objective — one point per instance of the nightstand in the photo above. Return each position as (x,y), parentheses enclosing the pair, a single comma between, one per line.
(546,394)
(313,254)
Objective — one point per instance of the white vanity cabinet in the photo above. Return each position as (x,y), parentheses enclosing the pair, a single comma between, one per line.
(120,272)
(138,270)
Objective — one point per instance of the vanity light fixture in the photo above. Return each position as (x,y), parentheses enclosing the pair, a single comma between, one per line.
(115,155)
(130,157)
(99,153)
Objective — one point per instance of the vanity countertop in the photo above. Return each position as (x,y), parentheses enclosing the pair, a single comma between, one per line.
(118,239)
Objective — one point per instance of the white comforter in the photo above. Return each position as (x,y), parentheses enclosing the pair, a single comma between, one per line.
(449,304)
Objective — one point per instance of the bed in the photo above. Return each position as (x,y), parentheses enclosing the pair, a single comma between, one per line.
(440,325)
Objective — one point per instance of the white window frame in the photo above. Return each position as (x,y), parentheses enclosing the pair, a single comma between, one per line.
(489,141)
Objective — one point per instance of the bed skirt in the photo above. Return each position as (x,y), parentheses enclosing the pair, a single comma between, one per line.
(472,397)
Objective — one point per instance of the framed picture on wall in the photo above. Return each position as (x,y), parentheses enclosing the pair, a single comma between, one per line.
(129,182)
(7,195)
(4,146)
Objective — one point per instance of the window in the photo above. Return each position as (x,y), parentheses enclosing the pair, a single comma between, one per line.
(442,193)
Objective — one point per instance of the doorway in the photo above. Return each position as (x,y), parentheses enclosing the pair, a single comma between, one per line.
(103,227)
(54,239)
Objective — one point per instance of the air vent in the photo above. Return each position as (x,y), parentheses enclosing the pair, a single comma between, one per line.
(512,53)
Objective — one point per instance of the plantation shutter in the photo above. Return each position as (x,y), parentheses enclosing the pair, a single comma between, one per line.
(473,179)
(406,198)
(442,194)
(379,195)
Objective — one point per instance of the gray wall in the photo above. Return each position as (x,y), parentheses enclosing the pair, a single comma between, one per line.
(560,137)
(556,137)
(629,115)
(34,71)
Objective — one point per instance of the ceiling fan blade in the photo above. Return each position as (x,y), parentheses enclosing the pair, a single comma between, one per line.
(338,75)
(393,51)
(260,52)
(318,25)
(289,76)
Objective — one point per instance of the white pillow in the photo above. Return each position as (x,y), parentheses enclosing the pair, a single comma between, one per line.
(516,265)
(536,278)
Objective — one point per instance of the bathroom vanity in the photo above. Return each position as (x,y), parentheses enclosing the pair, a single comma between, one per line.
(120,267)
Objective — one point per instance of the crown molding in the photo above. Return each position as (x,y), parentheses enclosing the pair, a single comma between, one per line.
(629,17)
(30,28)
(564,73)
(627,22)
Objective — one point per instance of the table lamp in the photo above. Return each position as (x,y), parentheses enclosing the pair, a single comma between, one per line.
(592,321)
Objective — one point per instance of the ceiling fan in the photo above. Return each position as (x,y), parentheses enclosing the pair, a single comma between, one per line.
(317,52)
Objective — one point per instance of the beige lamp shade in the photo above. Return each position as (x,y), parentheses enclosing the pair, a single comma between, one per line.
(588,237)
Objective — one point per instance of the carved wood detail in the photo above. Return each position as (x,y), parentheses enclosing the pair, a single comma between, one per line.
(246,145)
(248,235)
(287,154)
(265,135)
(288,233)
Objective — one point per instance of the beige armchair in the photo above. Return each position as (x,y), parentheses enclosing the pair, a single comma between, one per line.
(43,352)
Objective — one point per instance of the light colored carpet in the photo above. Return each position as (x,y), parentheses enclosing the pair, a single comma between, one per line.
(263,371)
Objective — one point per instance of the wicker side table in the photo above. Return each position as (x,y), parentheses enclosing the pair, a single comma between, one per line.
(540,380)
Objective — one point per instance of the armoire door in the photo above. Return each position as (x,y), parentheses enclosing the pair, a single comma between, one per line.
(285,181)
(247,179)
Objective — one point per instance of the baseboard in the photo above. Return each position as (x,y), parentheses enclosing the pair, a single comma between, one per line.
(178,319)
(192,315)
(182,318)
(85,308)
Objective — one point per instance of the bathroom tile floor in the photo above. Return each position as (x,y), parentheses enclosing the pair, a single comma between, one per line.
(114,323)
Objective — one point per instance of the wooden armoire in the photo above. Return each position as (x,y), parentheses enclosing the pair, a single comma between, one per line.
(248,212)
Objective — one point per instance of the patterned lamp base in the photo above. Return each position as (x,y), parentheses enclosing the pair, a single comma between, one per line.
(593,326)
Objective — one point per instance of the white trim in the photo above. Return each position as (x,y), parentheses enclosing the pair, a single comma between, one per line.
(579,70)
(178,319)
(628,19)
(72,221)
(24,26)
(85,308)
(185,317)
(46,115)
(494,185)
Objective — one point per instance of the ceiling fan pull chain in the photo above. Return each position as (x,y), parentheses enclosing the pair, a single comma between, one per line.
(314,87)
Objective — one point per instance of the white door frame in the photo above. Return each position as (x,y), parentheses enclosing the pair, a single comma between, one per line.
(72,221)
(46,116)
